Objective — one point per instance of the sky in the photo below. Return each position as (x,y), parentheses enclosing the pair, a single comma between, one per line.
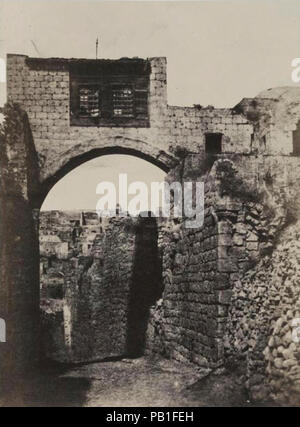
(218,52)
(70,193)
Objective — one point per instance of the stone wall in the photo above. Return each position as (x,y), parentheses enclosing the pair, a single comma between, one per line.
(188,323)
(104,307)
(262,327)
(99,297)
(259,330)
(230,295)
(19,280)
(43,91)
(274,114)
(89,323)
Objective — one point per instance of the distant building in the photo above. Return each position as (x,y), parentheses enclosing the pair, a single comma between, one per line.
(52,245)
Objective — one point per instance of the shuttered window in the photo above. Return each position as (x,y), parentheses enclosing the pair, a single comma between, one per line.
(123,101)
(89,101)
(99,104)
(109,93)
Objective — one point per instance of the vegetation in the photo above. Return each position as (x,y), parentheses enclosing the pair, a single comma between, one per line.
(233,185)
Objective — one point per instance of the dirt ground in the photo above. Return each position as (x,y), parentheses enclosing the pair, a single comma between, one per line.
(130,382)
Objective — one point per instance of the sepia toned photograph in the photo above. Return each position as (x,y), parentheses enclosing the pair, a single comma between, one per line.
(150,206)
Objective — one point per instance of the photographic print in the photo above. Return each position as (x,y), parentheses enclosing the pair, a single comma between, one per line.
(149,206)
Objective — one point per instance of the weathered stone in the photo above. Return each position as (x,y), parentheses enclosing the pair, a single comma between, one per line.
(240,228)
(224,297)
(227,265)
(237,240)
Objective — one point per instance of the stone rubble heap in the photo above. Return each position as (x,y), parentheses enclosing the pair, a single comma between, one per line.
(270,291)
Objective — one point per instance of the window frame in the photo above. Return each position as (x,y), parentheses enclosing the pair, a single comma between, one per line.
(88,86)
(107,118)
(113,90)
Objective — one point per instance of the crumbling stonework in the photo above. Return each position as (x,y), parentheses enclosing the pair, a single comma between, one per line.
(85,295)
(97,305)
(19,290)
(263,322)
(98,295)
(215,309)
(267,290)
(234,314)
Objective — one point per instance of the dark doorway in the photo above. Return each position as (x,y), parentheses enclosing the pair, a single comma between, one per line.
(146,287)
(296,140)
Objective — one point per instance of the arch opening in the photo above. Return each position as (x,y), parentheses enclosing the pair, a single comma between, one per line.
(99,275)
(161,160)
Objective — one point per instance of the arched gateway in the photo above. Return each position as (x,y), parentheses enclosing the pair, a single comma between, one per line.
(63,112)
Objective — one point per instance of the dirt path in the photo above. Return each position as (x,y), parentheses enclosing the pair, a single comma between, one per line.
(130,382)
(137,383)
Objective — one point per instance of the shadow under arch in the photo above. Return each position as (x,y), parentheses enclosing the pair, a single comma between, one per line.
(165,162)
(146,286)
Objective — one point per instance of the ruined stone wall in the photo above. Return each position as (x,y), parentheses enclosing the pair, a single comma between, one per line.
(275,115)
(186,328)
(91,322)
(19,269)
(107,295)
(264,320)
(188,323)
(231,293)
(259,333)
(282,353)
(102,292)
